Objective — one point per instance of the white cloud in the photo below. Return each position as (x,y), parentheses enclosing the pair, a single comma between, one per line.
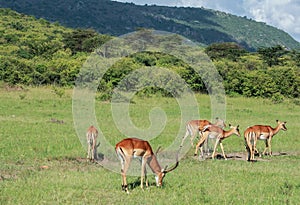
(283,14)
(278,13)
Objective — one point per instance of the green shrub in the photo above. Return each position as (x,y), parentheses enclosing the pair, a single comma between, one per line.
(277,98)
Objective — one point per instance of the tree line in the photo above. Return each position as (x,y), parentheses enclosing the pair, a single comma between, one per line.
(37,52)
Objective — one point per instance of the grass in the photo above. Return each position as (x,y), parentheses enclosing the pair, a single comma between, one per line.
(41,160)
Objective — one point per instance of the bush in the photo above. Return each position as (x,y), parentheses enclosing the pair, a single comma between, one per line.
(277,98)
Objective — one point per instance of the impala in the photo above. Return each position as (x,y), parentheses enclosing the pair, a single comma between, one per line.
(91,137)
(194,126)
(133,147)
(219,134)
(261,132)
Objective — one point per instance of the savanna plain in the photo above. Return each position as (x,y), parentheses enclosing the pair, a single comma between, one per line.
(43,162)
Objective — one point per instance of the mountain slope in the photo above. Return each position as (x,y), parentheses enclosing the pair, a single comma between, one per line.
(115,18)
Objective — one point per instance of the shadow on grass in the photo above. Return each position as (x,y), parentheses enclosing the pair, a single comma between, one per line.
(137,184)
(100,157)
(243,156)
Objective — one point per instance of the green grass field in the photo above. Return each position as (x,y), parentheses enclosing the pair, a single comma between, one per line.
(42,161)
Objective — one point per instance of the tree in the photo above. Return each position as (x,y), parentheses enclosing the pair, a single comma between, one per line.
(271,56)
(84,40)
(231,51)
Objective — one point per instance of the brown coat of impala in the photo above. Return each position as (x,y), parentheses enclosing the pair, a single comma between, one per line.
(196,126)
(91,137)
(133,147)
(219,134)
(261,132)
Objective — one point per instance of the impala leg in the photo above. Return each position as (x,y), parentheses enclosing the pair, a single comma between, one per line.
(252,150)
(248,152)
(125,165)
(95,154)
(222,148)
(143,173)
(266,148)
(93,149)
(251,147)
(146,178)
(192,139)
(204,137)
(256,151)
(200,143)
(270,147)
(215,147)
(206,146)
(184,137)
(193,135)
(201,151)
(89,151)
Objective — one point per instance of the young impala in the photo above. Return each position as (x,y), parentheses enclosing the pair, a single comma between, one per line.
(195,126)
(91,137)
(133,147)
(219,134)
(261,132)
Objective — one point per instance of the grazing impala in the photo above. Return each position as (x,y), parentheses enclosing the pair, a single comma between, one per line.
(261,132)
(91,137)
(194,126)
(213,131)
(133,147)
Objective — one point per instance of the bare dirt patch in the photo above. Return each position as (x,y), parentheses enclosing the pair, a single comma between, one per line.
(243,156)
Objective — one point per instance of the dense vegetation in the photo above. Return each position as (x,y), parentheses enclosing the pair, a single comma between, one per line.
(115,18)
(271,72)
(37,52)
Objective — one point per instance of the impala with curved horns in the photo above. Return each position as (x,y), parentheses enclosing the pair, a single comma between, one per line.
(194,126)
(134,147)
(261,132)
(91,137)
(213,131)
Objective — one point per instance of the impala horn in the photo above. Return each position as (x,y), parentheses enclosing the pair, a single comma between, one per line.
(176,165)
(158,149)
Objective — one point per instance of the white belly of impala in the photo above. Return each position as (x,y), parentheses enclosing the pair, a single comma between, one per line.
(263,137)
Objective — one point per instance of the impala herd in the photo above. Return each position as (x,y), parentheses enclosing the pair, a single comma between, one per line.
(137,148)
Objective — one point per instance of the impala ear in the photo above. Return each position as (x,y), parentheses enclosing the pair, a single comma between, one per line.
(277,121)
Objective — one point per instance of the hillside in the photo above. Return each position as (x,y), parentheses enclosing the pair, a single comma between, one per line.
(35,51)
(115,18)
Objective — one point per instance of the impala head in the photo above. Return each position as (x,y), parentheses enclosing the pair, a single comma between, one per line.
(160,176)
(235,130)
(281,125)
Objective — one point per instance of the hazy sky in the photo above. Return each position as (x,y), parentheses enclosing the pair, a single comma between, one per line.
(283,14)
